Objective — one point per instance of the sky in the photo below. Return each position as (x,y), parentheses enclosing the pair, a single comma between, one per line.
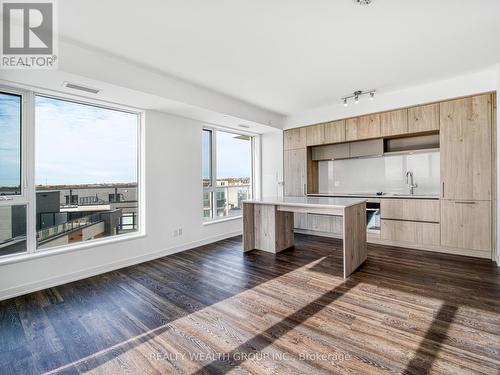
(234,156)
(10,140)
(83,144)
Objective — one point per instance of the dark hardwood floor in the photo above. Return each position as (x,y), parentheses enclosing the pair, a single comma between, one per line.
(213,310)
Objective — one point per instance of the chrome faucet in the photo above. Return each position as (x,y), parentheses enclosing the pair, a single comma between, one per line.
(410,183)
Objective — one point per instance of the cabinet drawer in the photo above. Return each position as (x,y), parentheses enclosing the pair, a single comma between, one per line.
(466,224)
(410,209)
(410,232)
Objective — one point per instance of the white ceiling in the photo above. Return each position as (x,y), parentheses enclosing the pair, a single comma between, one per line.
(291,55)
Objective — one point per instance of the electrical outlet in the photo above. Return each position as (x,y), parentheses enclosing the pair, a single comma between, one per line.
(179,231)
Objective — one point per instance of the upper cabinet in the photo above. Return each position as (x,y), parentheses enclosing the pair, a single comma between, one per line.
(335,131)
(294,138)
(363,127)
(326,133)
(466,148)
(315,135)
(423,118)
(394,122)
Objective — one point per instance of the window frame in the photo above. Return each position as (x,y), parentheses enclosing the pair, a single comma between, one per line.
(212,189)
(28,187)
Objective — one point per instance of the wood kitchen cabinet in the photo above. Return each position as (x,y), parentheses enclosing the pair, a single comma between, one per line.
(294,168)
(466,148)
(334,132)
(466,225)
(427,210)
(315,135)
(394,122)
(423,118)
(363,127)
(412,232)
(326,133)
(294,138)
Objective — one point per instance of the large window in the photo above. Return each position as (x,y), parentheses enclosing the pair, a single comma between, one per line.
(227,173)
(68,174)
(10,144)
(13,206)
(85,170)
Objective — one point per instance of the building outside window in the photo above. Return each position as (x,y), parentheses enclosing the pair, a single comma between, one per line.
(227,173)
(84,184)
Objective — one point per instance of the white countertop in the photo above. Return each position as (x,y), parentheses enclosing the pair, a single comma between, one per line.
(319,202)
(371,195)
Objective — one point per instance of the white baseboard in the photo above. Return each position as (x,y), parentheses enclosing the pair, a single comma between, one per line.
(83,274)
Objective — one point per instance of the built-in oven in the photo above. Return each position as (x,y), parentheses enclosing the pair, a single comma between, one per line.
(373,217)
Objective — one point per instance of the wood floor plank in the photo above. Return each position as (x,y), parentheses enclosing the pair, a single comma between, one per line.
(216,310)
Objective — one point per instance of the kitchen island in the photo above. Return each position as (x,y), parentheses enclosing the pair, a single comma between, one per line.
(268,224)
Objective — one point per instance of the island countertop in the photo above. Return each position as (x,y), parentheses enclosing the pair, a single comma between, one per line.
(317,202)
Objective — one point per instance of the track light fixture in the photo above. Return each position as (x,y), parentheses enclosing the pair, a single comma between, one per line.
(357,94)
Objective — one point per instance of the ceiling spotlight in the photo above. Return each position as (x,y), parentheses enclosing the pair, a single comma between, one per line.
(356,95)
(363,2)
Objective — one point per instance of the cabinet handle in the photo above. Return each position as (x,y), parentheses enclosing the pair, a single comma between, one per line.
(443,189)
(305,189)
(465,202)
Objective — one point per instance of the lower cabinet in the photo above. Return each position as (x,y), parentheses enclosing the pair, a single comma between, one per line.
(466,225)
(413,232)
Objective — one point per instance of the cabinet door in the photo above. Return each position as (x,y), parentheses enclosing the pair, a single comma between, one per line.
(294,138)
(330,152)
(373,147)
(412,232)
(466,150)
(423,118)
(394,122)
(362,127)
(295,172)
(466,224)
(334,132)
(315,135)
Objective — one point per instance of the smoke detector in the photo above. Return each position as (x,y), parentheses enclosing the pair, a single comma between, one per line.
(363,2)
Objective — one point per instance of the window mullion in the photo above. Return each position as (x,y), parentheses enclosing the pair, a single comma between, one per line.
(29,171)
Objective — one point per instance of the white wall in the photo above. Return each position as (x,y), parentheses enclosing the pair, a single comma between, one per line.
(173,196)
(272,163)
